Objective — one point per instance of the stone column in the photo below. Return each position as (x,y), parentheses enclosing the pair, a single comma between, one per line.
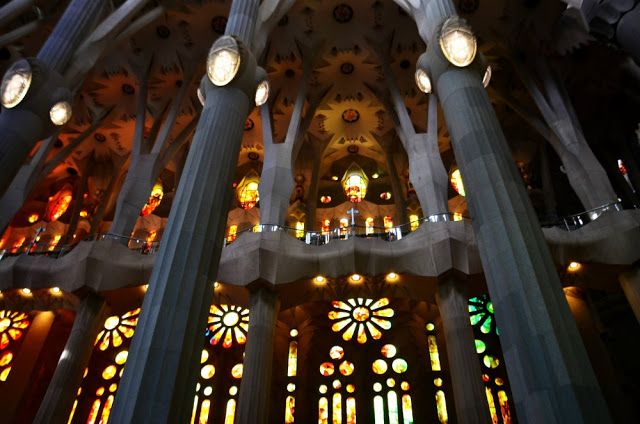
(628,32)
(550,374)
(464,365)
(255,389)
(28,122)
(159,381)
(58,400)
(630,283)
(396,187)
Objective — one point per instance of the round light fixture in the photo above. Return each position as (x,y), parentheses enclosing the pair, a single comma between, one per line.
(320,279)
(574,266)
(423,81)
(356,278)
(55,290)
(293,332)
(457,42)
(60,113)
(26,291)
(392,276)
(15,84)
(486,79)
(223,61)
(262,93)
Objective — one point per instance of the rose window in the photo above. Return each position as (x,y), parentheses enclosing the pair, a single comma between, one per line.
(363,318)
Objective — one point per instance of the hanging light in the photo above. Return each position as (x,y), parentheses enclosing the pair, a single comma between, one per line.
(157,192)
(354,183)
(262,93)
(423,81)
(247,191)
(15,83)
(486,79)
(58,203)
(456,182)
(457,42)
(60,113)
(223,61)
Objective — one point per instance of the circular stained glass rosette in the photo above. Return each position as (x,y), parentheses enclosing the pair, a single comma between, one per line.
(336,352)
(116,329)
(12,326)
(327,369)
(227,323)
(362,318)
(481,314)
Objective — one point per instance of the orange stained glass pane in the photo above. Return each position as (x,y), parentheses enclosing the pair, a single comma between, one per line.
(337,409)
(217,336)
(292,363)
(375,333)
(492,405)
(351,410)
(336,352)
(388,351)
(380,303)
(106,410)
(346,368)
(73,411)
(241,338)
(203,417)
(338,326)
(126,331)
(323,411)
(93,412)
(116,339)
(338,314)
(407,409)
(434,356)
(348,334)
(236,371)
(362,335)
(230,413)
(379,366)
(4,341)
(327,369)
(289,409)
(6,358)
(503,399)
(15,334)
(5,374)
(341,305)
(441,405)
(228,339)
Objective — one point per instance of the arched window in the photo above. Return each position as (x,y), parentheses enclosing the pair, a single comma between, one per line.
(337,402)
(13,326)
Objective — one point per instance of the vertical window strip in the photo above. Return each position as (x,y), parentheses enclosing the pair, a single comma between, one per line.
(378,409)
(323,411)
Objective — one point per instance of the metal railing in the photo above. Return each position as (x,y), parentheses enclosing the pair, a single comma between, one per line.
(579,220)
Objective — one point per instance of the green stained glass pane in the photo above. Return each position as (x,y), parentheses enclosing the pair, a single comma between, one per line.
(480,346)
(475,318)
(490,307)
(473,308)
(486,326)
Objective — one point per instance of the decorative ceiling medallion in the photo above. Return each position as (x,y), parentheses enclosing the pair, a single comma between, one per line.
(219,24)
(163,31)
(253,156)
(350,116)
(248,124)
(347,68)
(342,13)
(353,149)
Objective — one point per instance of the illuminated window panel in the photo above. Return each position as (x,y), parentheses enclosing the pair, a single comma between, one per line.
(351,410)
(227,323)
(292,370)
(232,233)
(392,404)
(362,318)
(116,329)
(292,363)
(299,229)
(230,412)
(505,411)
(481,314)
(492,406)
(414,222)
(205,407)
(289,409)
(323,411)
(13,326)
(407,409)
(369,226)
(434,356)
(441,404)
(336,413)
(388,223)
(378,409)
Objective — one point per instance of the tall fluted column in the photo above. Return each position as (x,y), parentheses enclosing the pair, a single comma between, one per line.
(58,400)
(29,121)
(160,377)
(464,365)
(255,389)
(630,283)
(396,187)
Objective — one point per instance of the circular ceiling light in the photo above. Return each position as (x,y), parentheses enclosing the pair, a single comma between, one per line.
(223,61)
(423,81)
(60,113)
(486,79)
(262,93)
(15,84)
(457,42)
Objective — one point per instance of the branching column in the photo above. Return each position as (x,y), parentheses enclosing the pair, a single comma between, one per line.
(58,400)
(255,389)
(466,375)
(159,381)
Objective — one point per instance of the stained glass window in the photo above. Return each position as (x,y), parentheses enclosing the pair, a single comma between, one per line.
(227,323)
(292,370)
(434,359)
(341,408)
(361,317)
(394,410)
(13,326)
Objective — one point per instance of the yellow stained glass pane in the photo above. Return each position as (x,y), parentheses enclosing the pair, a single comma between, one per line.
(228,339)
(109,372)
(492,405)
(341,305)
(241,338)
(104,344)
(434,356)
(399,365)
(126,331)
(292,363)
(289,410)
(4,340)
(116,338)
(203,417)
(14,333)
(336,352)
(388,351)
(362,335)
(4,374)
(379,366)
(230,413)
(244,326)
(6,358)
(375,333)
(348,334)
(441,405)
(346,368)
(106,410)
(207,371)
(382,323)
(323,411)
(407,410)
(386,313)
(378,409)
(73,411)
(121,357)
(338,326)
(392,407)
(380,303)
(93,412)
(351,410)
(193,411)
(337,409)
(503,399)
(333,315)
(327,369)
(204,356)
(237,370)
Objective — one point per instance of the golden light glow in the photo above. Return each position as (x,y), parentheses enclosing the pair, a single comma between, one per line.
(84,213)
(33,218)
(58,203)
(26,291)
(116,329)
(574,267)
(223,61)
(392,276)
(423,81)
(247,190)
(226,323)
(456,182)
(56,290)
(60,113)
(262,93)
(457,42)
(414,222)
(15,84)
(354,183)
(299,229)
(157,193)
(293,332)
(320,279)
(356,278)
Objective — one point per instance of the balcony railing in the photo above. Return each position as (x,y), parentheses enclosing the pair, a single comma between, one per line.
(579,220)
